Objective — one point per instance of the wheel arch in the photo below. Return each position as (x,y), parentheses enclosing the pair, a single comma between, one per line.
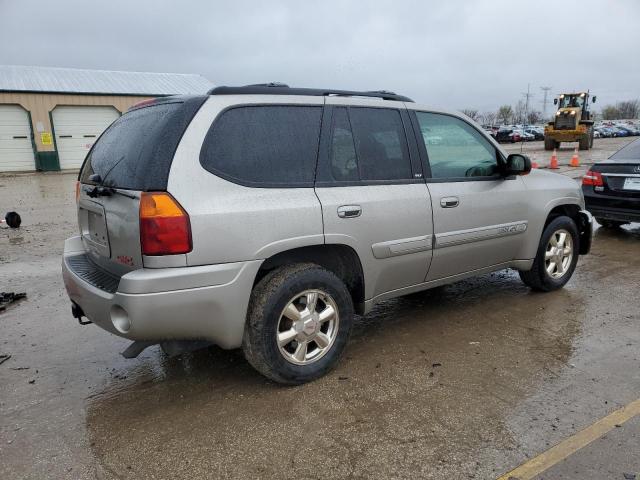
(582,219)
(341,260)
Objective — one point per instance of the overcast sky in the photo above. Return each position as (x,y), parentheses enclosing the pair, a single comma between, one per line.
(456,54)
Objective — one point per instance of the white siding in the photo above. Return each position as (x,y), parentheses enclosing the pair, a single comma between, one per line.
(16,148)
(77,128)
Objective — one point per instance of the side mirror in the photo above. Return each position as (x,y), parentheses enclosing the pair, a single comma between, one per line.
(593,99)
(517,164)
(555,101)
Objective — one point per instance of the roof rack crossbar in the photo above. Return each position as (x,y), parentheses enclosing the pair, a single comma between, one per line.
(275,88)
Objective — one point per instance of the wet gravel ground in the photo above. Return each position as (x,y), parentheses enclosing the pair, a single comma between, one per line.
(464,381)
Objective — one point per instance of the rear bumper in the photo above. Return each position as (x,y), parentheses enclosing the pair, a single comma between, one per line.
(616,214)
(610,207)
(186,303)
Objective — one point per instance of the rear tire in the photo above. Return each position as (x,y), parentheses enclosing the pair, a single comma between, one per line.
(609,223)
(553,267)
(285,320)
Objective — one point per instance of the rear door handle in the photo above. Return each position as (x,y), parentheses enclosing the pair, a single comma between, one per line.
(449,202)
(349,211)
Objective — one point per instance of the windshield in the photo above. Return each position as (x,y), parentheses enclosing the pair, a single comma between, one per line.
(572,101)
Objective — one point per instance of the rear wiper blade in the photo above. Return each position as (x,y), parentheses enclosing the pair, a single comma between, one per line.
(99,191)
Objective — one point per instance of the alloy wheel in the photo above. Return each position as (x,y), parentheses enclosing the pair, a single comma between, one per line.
(307,327)
(559,253)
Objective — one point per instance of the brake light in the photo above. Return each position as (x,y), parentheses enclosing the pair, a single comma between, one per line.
(77,191)
(164,225)
(593,178)
(143,103)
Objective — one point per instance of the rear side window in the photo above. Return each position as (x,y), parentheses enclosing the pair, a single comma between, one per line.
(136,151)
(367,144)
(268,146)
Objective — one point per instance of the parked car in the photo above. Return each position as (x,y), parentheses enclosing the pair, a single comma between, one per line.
(526,136)
(507,135)
(537,134)
(631,131)
(604,132)
(618,132)
(611,188)
(263,217)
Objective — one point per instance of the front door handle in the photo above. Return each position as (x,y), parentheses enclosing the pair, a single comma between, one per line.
(349,211)
(449,202)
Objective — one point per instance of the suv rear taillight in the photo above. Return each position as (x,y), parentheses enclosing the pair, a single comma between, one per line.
(592,178)
(164,225)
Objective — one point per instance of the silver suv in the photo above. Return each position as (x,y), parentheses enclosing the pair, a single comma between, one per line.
(264,217)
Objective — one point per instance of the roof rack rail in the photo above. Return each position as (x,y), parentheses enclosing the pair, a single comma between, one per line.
(275,88)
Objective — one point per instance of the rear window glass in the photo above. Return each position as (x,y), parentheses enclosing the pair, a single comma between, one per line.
(271,146)
(136,151)
(629,152)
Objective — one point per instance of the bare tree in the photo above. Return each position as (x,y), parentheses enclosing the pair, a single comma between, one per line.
(628,109)
(488,118)
(534,117)
(610,112)
(505,112)
(520,112)
(471,113)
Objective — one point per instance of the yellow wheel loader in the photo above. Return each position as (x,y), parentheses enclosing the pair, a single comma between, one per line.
(573,122)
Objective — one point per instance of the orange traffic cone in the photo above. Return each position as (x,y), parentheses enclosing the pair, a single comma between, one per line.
(534,162)
(575,161)
(553,164)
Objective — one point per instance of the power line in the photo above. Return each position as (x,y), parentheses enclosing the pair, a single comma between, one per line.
(527,95)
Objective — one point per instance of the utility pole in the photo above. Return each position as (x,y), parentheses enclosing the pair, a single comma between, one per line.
(527,95)
(544,101)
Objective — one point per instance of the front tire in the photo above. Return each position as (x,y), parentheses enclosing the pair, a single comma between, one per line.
(298,323)
(549,143)
(556,257)
(584,143)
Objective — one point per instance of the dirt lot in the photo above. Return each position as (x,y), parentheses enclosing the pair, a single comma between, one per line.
(465,381)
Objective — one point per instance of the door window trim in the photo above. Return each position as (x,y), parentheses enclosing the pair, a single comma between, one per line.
(325,146)
(424,156)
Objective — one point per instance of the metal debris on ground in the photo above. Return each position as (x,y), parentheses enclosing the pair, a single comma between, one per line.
(12,219)
(9,297)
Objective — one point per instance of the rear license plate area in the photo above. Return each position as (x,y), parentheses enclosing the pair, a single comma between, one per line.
(632,183)
(94,228)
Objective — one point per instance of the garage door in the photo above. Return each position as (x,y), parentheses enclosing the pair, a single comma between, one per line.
(77,128)
(16,148)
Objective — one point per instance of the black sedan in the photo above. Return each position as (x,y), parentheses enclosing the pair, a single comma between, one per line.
(612,187)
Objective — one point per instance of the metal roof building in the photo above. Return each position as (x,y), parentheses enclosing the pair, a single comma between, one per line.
(50,117)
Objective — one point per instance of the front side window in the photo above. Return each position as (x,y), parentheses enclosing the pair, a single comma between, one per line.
(368,144)
(265,145)
(455,149)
